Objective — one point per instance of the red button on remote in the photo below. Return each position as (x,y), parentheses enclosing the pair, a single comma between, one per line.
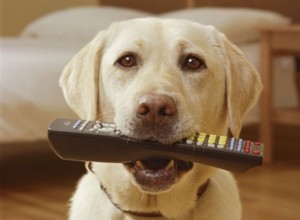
(257,152)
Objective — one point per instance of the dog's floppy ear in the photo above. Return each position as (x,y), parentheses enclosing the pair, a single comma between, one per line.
(80,79)
(243,85)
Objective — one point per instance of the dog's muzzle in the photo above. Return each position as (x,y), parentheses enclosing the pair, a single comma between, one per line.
(156,115)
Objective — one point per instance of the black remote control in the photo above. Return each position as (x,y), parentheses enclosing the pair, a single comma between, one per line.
(98,141)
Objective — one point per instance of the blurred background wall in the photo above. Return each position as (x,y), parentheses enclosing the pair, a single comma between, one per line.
(16,14)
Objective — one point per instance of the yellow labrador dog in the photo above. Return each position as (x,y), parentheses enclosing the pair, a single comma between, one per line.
(163,80)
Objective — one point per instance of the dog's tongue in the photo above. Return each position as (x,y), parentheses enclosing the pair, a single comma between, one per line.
(155,175)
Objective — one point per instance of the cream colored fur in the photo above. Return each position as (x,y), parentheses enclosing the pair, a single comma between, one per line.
(210,100)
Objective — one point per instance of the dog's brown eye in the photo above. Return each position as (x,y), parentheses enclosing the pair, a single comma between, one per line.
(193,63)
(127,61)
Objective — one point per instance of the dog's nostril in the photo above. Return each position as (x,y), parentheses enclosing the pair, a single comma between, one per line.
(142,109)
(162,111)
(166,110)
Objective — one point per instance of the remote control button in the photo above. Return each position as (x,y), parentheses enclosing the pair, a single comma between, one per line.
(191,139)
(222,142)
(223,139)
(188,141)
(106,124)
(84,125)
(219,146)
(106,129)
(97,126)
(240,144)
(201,139)
(118,132)
(77,123)
(231,146)
(256,152)
(211,141)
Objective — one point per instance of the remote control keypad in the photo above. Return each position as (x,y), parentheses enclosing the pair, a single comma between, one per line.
(223,142)
(96,127)
(197,139)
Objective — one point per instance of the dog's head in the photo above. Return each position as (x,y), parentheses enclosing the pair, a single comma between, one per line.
(163,80)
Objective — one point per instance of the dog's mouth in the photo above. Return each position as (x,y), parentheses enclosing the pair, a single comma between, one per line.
(157,175)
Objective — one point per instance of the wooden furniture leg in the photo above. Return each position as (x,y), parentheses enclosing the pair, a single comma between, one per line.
(266,98)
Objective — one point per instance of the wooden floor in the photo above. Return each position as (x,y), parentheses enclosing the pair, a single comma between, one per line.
(37,186)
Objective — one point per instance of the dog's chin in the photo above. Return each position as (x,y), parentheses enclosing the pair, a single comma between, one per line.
(155,175)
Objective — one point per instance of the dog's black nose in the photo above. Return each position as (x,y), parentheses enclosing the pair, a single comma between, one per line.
(155,109)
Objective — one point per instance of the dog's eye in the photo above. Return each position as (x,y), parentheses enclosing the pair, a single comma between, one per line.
(127,61)
(193,63)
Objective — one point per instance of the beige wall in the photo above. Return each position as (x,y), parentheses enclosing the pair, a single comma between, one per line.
(16,14)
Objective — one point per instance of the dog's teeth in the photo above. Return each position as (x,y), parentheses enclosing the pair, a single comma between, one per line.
(170,165)
(140,164)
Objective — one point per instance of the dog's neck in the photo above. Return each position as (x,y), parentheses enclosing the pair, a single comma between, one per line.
(200,192)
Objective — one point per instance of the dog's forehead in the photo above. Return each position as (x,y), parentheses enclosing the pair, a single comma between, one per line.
(151,30)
